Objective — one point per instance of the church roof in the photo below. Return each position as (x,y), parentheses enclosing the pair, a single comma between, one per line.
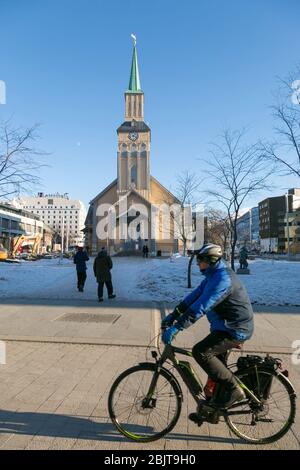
(115,181)
(134,81)
(139,126)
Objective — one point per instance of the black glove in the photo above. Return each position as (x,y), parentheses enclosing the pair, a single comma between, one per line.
(169,319)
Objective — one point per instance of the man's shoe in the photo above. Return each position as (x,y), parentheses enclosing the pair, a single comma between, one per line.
(231,396)
(100,299)
(112,296)
(195,418)
(205,413)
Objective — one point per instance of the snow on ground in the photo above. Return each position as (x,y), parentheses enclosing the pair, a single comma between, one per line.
(270,282)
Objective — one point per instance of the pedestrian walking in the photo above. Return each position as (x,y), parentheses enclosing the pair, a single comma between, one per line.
(145,251)
(80,259)
(102,267)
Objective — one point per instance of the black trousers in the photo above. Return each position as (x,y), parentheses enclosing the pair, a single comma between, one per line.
(109,288)
(81,277)
(211,354)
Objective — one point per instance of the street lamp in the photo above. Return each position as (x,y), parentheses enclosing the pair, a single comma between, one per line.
(287,224)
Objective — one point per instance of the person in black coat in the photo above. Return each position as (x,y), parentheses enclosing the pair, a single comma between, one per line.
(102,267)
(80,260)
(145,251)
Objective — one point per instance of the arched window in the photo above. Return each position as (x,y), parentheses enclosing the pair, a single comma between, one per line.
(134,105)
(143,150)
(124,152)
(133,150)
(133,175)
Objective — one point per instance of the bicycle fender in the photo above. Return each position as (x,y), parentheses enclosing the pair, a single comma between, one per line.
(166,372)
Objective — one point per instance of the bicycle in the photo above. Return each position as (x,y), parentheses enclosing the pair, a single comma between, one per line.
(145,401)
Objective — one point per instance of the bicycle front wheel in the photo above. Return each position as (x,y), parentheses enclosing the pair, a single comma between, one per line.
(136,415)
(268,422)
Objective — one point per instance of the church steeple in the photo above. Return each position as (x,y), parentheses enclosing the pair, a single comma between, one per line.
(134,137)
(134,81)
(134,96)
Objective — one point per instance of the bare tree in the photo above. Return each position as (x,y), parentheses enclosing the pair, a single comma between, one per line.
(187,192)
(217,228)
(285,150)
(183,220)
(18,160)
(236,171)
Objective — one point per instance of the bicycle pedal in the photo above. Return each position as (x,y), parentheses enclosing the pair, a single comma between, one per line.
(196,419)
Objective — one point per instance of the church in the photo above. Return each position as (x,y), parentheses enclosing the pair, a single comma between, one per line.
(135,197)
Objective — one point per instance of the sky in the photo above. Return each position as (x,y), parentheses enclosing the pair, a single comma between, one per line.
(205,65)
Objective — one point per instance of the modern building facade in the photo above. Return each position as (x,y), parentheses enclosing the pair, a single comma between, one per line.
(135,196)
(279,222)
(248,228)
(66,216)
(15,222)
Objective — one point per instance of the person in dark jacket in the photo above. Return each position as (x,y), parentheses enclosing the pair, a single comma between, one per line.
(80,259)
(225,302)
(102,267)
(145,251)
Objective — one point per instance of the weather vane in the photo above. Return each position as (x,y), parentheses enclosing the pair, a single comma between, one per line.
(134,39)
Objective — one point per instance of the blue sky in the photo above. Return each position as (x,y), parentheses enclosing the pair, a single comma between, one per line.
(204,65)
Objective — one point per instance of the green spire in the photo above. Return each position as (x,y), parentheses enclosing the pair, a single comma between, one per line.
(134,82)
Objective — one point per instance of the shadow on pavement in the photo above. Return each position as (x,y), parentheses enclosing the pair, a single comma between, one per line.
(63,426)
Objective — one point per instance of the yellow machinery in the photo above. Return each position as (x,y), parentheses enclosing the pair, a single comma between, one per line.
(3,253)
(17,243)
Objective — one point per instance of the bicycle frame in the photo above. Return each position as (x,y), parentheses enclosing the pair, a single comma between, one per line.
(169,353)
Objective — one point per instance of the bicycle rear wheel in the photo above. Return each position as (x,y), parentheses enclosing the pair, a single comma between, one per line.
(270,421)
(135,416)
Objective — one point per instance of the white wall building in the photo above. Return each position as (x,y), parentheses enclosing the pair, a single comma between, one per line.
(66,216)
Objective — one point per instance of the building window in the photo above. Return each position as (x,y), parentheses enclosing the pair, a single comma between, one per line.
(124,150)
(133,175)
(133,150)
(143,151)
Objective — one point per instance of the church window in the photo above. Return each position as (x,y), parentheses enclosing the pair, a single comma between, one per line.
(124,151)
(133,175)
(143,150)
(134,105)
(133,150)
(140,107)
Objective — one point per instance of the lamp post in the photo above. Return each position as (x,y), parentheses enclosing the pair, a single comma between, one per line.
(287,225)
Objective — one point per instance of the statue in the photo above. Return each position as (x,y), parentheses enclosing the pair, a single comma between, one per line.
(243,258)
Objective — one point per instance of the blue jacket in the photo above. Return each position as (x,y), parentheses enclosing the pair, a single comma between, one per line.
(79,259)
(223,299)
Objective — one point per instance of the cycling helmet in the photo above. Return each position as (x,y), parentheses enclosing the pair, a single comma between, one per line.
(210,253)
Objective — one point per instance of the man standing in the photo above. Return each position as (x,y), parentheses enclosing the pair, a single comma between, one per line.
(145,251)
(80,260)
(102,266)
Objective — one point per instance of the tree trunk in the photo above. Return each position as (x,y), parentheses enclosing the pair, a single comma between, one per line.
(190,271)
(233,244)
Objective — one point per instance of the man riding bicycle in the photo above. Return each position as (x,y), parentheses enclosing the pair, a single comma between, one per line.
(225,302)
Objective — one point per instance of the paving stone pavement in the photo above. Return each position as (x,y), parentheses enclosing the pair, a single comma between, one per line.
(54,396)
(58,373)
